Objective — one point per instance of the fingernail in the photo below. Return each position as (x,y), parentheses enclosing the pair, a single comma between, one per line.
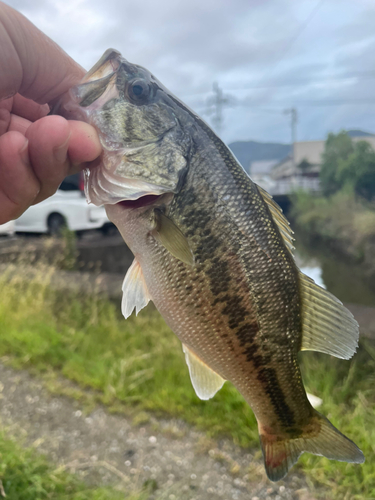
(60,152)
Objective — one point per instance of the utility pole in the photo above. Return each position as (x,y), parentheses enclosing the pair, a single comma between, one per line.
(293,122)
(215,106)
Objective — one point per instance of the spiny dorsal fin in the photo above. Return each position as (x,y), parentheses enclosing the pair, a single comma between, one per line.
(170,236)
(279,218)
(205,381)
(327,326)
(134,290)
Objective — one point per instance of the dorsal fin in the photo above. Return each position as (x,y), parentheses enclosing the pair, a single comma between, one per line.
(279,218)
(205,381)
(327,326)
(134,290)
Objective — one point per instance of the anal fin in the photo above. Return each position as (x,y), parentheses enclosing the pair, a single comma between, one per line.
(134,290)
(206,382)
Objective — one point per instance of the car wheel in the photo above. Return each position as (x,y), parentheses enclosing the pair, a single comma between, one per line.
(56,224)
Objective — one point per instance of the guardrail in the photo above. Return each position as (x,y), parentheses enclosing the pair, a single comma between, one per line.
(284,187)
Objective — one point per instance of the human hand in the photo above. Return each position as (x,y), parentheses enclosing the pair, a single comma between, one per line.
(36,151)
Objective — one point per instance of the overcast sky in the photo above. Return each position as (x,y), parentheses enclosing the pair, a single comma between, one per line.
(267,55)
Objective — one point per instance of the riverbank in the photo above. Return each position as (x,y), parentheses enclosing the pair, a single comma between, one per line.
(340,226)
(79,346)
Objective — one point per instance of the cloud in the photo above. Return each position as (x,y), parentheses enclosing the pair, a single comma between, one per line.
(281,52)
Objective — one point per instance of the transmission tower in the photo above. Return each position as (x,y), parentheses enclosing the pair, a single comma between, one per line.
(215,105)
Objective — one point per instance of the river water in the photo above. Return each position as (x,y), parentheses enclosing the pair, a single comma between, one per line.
(340,278)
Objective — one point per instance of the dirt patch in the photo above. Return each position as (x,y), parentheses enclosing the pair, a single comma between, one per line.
(171,459)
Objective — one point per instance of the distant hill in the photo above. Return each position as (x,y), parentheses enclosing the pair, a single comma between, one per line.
(249,151)
(358,133)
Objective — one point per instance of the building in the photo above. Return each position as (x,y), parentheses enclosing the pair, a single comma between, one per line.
(260,173)
(300,170)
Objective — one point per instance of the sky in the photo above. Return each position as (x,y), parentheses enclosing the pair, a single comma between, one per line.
(267,56)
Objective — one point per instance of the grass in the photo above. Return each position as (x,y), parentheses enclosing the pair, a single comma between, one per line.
(342,220)
(26,475)
(137,366)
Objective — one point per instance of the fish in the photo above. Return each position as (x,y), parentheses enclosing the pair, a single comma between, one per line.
(214,252)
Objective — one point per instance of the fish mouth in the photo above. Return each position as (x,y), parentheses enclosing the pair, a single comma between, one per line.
(143,201)
(147,200)
(107,65)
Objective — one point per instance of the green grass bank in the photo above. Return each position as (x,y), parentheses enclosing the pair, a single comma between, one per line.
(137,367)
(26,475)
(342,224)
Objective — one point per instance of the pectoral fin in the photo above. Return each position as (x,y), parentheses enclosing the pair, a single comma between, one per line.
(205,381)
(169,235)
(134,290)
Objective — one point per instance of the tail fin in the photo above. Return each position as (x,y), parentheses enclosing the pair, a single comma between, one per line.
(320,438)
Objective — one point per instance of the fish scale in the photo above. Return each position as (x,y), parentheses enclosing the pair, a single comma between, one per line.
(214,253)
(250,317)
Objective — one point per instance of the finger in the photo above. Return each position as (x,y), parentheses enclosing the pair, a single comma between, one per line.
(18,124)
(18,183)
(4,121)
(48,151)
(7,104)
(26,108)
(35,66)
(84,143)
(57,147)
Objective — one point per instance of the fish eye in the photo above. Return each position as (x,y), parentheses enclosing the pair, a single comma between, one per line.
(138,91)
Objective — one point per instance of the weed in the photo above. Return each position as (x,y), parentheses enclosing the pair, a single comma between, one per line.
(26,475)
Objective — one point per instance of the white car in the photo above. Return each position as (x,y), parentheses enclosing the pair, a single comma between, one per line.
(66,208)
(8,228)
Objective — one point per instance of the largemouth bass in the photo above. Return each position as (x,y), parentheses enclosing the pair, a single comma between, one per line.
(213,251)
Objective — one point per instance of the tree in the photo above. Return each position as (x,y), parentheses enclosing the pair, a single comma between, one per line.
(348,165)
(358,171)
(337,150)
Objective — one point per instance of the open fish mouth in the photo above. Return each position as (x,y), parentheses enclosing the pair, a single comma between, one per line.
(143,201)
(107,64)
(136,128)
(105,182)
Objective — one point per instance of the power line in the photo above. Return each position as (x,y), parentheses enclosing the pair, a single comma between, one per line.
(219,100)
(302,28)
(369,75)
(333,102)
(307,102)
(300,83)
